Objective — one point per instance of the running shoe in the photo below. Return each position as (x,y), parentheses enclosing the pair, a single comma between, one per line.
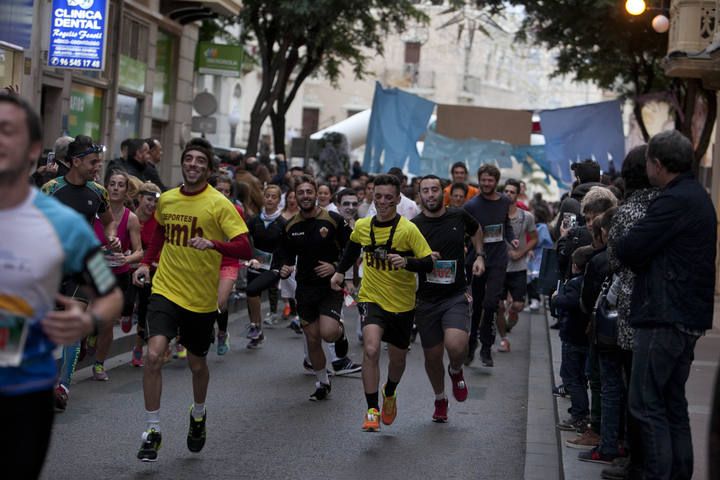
(137,357)
(595,456)
(126,324)
(271,319)
(99,373)
(459,387)
(61,398)
(322,391)
(286,311)
(486,358)
(345,366)
(256,342)
(180,351)
(372,421)
(504,345)
(295,325)
(223,343)
(253,332)
(196,433)
(441,409)
(389,407)
(90,346)
(534,305)
(571,424)
(151,443)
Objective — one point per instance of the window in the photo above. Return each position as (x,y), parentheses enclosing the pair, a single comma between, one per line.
(412,52)
(310,121)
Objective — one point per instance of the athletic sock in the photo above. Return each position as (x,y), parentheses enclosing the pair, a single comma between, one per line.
(453,371)
(198,411)
(322,376)
(153,420)
(440,396)
(390,387)
(372,400)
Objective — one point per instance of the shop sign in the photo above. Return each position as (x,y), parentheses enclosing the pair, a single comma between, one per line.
(215,59)
(78,34)
(85,111)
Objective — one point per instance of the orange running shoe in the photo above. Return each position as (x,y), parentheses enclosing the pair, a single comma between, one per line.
(372,421)
(389,408)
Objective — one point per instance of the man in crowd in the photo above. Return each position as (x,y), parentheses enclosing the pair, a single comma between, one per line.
(459,174)
(405,207)
(137,163)
(672,250)
(443,308)
(587,175)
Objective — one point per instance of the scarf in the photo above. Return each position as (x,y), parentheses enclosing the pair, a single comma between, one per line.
(268,219)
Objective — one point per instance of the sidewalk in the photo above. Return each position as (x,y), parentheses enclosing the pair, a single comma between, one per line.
(699,391)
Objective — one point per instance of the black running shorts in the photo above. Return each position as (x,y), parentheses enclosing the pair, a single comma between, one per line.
(315,301)
(196,330)
(515,285)
(433,318)
(397,327)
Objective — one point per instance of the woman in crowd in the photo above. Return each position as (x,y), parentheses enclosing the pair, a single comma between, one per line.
(324,195)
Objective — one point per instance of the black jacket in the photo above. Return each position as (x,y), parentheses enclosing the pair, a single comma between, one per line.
(575,238)
(672,251)
(146,173)
(571,204)
(573,321)
(595,274)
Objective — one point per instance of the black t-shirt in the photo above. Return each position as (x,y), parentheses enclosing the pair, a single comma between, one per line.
(445,235)
(88,200)
(492,215)
(312,240)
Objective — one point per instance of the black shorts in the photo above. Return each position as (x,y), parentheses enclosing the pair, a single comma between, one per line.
(259,281)
(315,301)
(196,330)
(433,318)
(515,285)
(70,288)
(397,327)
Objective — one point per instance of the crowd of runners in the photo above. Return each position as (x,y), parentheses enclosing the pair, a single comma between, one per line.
(450,261)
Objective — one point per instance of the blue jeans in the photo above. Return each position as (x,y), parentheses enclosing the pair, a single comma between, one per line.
(572,372)
(612,389)
(661,365)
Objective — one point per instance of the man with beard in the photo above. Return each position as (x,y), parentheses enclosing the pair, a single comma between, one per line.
(312,242)
(393,250)
(194,223)
(491,210)
(443,308)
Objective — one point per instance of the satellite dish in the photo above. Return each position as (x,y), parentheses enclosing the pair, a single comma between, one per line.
(205,103)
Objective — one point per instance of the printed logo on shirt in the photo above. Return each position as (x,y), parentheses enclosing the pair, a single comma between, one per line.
(180,232)
(324,232)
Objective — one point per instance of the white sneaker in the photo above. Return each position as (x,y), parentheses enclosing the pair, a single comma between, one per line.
(534,305)
(504,345)
(271,319)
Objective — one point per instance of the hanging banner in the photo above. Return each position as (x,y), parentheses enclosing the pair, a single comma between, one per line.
(78,34)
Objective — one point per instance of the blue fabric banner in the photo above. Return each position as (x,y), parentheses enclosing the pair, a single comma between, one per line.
(397,121)
(440,152)
(589,131)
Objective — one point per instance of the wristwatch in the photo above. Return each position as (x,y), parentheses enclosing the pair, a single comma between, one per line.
(481,254)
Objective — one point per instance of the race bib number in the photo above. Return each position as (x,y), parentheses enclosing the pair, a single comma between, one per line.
(13,335)
(494,233)
(264,258)
(443,272)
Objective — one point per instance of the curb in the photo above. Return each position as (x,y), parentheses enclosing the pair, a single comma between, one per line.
(543,459)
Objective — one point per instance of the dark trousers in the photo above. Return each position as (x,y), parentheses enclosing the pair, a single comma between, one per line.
(661,365)
(572,372)
(486,292)
(26,426)
(613,392)
(592,370)
(532,289)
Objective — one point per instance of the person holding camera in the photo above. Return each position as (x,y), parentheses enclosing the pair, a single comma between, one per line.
(393,249)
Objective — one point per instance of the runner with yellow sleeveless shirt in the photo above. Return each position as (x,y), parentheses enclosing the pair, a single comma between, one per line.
(393,249)
(195,222)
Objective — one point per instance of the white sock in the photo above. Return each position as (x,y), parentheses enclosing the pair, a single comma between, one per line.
(198,411)
(453,371)
(153,419)
(322,376)
(331,351)
(305,347)
(440,396)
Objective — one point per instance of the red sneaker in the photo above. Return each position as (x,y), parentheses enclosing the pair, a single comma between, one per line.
(126,324)
(459,387)
(441,408)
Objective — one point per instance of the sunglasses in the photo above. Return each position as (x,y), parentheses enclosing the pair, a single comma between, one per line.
(349,204)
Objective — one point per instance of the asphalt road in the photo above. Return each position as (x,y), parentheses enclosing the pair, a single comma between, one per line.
(262,426)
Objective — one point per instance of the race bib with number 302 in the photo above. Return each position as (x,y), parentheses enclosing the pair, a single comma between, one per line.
(443,272)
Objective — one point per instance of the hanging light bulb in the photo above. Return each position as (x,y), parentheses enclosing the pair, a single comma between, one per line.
(635,7)
(661,23)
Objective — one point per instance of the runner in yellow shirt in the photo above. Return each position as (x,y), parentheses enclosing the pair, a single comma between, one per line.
(393,249)
(197,226)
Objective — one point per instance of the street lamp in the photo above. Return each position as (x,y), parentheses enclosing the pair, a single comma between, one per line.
(234,121)
(660,23)
(635,7)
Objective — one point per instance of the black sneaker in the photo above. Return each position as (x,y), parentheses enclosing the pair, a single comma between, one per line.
(571,424)
(560,391)
(151,442)
(486,358)
(196,433)
(321,392)
(345,366)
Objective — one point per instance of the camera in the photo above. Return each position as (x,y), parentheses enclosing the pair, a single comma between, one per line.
(380,253)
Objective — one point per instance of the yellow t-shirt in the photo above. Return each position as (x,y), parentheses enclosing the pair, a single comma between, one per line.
(391,288)
(187,276)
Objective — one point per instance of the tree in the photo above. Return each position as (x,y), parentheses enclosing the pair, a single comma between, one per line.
(598,41)
(298,38)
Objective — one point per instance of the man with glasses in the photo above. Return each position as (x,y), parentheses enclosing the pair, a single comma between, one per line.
(523,224)
(78,190)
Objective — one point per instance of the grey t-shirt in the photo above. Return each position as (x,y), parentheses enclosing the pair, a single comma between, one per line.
(522,224)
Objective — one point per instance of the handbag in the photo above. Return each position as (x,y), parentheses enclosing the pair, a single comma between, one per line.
(549,272)
(605,318)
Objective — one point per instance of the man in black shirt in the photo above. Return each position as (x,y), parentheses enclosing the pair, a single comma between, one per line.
(137,164)
(490,209)
(443,306)
(315,237)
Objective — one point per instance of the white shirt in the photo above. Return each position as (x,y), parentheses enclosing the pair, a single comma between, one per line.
(406,208)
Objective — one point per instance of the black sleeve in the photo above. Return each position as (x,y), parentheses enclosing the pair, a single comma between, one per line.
(152,174)
(285,254)
(471,225)
(343,230)
(350,255)
(420,265)
(568,297)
